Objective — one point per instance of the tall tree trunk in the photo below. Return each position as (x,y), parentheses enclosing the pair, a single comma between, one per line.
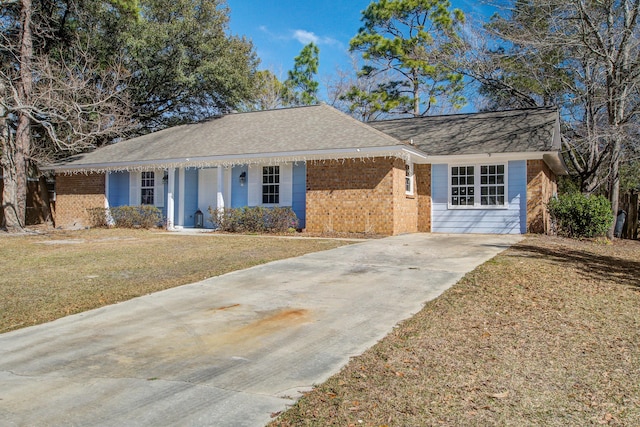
(15,158)
(4,144)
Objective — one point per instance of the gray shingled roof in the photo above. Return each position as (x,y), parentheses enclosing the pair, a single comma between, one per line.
(284,133)
(514,131)
(286,130)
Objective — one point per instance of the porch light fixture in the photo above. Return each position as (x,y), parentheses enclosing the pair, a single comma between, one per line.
(165,177)
(243,178)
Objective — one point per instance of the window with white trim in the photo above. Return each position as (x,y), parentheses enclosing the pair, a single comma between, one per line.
(408,179)
(270,185)
(478,186)
(492,185)
(147,188)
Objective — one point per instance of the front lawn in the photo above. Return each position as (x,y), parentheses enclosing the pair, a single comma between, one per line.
(44,277)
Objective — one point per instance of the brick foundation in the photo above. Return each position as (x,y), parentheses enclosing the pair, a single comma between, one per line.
(366,196)
(541,186)
(75,195)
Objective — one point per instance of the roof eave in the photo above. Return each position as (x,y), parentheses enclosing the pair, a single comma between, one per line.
(400,151)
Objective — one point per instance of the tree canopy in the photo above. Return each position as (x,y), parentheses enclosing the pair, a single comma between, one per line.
(77,74)
(184,65)
(409,42)
(301,86)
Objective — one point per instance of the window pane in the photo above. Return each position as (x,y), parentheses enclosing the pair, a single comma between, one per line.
(271,187)
(469,170)
(454,181)
(146,196)
(454,171)
(492,184)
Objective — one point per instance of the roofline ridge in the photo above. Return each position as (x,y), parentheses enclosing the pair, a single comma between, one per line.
(477,113)
(362,124)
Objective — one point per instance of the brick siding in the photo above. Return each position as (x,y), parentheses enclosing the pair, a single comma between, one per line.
(541,186)
(423,190)
(365,196)
(75,195)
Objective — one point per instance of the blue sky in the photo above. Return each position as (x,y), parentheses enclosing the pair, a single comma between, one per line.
(279,29)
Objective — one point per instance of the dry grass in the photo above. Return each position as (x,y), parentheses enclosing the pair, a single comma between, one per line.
(44,277)
(545,334)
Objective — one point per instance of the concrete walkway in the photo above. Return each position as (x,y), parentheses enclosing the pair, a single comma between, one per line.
(233,349)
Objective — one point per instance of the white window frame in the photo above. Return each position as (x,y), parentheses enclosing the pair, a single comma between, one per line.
(409,179)
(277,175)
(144,178)
(477,186)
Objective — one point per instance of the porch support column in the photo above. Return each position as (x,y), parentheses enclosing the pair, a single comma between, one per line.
(181,185)
(220,190)
(170,198)
(109,218)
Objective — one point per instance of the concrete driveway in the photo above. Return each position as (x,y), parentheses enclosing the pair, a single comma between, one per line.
(233,349)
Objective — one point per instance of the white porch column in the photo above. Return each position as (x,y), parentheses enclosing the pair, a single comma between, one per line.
(220,190)
(109,218)
(170,198)
(181,185)
(106,190)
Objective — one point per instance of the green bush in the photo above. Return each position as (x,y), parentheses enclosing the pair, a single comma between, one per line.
(144,216)
(577,215)
(254,219)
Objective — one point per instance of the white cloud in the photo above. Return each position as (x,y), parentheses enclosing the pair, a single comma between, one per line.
(306,37)
(301,36)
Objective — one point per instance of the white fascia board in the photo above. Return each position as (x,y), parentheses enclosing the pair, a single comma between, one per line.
(553,159)
(489,157)
(401,151)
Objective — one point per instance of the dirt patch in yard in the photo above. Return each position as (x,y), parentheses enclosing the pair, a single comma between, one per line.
(547,333)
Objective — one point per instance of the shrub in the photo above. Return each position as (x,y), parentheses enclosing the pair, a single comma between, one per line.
(254,219)
(98,217)
(144,216)
(577,215)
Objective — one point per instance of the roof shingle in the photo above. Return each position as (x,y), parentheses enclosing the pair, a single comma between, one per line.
(512,131)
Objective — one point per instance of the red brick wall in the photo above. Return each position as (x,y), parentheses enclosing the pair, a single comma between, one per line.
(423,191)
(362,196)
(405,207)
(75,194)
(541,186)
